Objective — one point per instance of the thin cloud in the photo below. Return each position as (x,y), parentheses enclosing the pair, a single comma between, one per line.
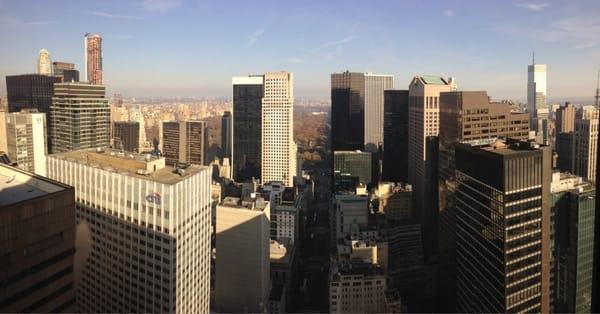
(533,6)
(160,6)
(342,41)
(448,13)
(580,31)
(113,16)
(253,38)
(13,22)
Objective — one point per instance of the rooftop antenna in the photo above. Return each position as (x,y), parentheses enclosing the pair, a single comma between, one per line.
(598,91)
(533,57)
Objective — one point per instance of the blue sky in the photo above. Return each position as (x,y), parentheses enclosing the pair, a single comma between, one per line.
(193,48)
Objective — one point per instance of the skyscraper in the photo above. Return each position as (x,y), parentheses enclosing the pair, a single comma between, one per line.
(93,58)
(565,118)
(503,227)
(347,111)
(247,126)
(465,116)
(143,231)
(30,91)
(395,136)
(226,135)
(357,103)
(536,100)
(184,141)
(278,147)
(573,202)
(37,245)
(242,264)
(375,85)
(423,123)
(126,136)
(586,139)
(26,140)
(80,117)
(354,164)
(44,65)
(66,71)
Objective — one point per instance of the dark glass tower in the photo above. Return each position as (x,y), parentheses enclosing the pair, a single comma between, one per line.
(32,91)
(347,111)
(395,136)
(503,227)
(226,135)
(573,233)
(247,127)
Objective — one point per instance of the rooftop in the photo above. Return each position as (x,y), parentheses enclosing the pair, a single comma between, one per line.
(143,166)
(17,185)
(434,80)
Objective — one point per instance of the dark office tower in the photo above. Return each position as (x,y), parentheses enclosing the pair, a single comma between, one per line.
(79,117)
(37,245)
(65,71)
(30,91)
(565,149)
(126,136)
(395,136)
(465,116)
(503,227)
(184,141)
(347,111)
(226,135)
(573,202)
(247,126)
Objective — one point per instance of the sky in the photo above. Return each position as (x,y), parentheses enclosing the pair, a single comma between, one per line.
(192,48)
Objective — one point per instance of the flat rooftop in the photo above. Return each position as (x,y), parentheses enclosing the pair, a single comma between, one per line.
(17,185)
(143,166)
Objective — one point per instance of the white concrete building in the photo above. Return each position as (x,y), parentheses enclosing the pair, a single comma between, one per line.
(26,140)
(242,256)
(286,221)
(357,288)
(278,146)
(143,232)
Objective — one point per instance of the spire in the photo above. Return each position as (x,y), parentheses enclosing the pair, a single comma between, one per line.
(533,57)
(598,91)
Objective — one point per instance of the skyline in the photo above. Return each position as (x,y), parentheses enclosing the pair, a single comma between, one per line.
(192,48)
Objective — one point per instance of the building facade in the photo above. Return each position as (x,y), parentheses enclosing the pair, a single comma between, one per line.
(80,117)
(536,88)
(375,85)
(184,141)
(347,111)
(354,163)
(126,136)
(30,91)
(44,65)
(359,288)
(423,127)
(503,227)
(26,140)
(565,118)
(573,211)
(226,135)
(395,136)
(143,231)
(37,246)
(66,71)
(585,140)
(278,156)
(93,58)
(242,266)
(248,92)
